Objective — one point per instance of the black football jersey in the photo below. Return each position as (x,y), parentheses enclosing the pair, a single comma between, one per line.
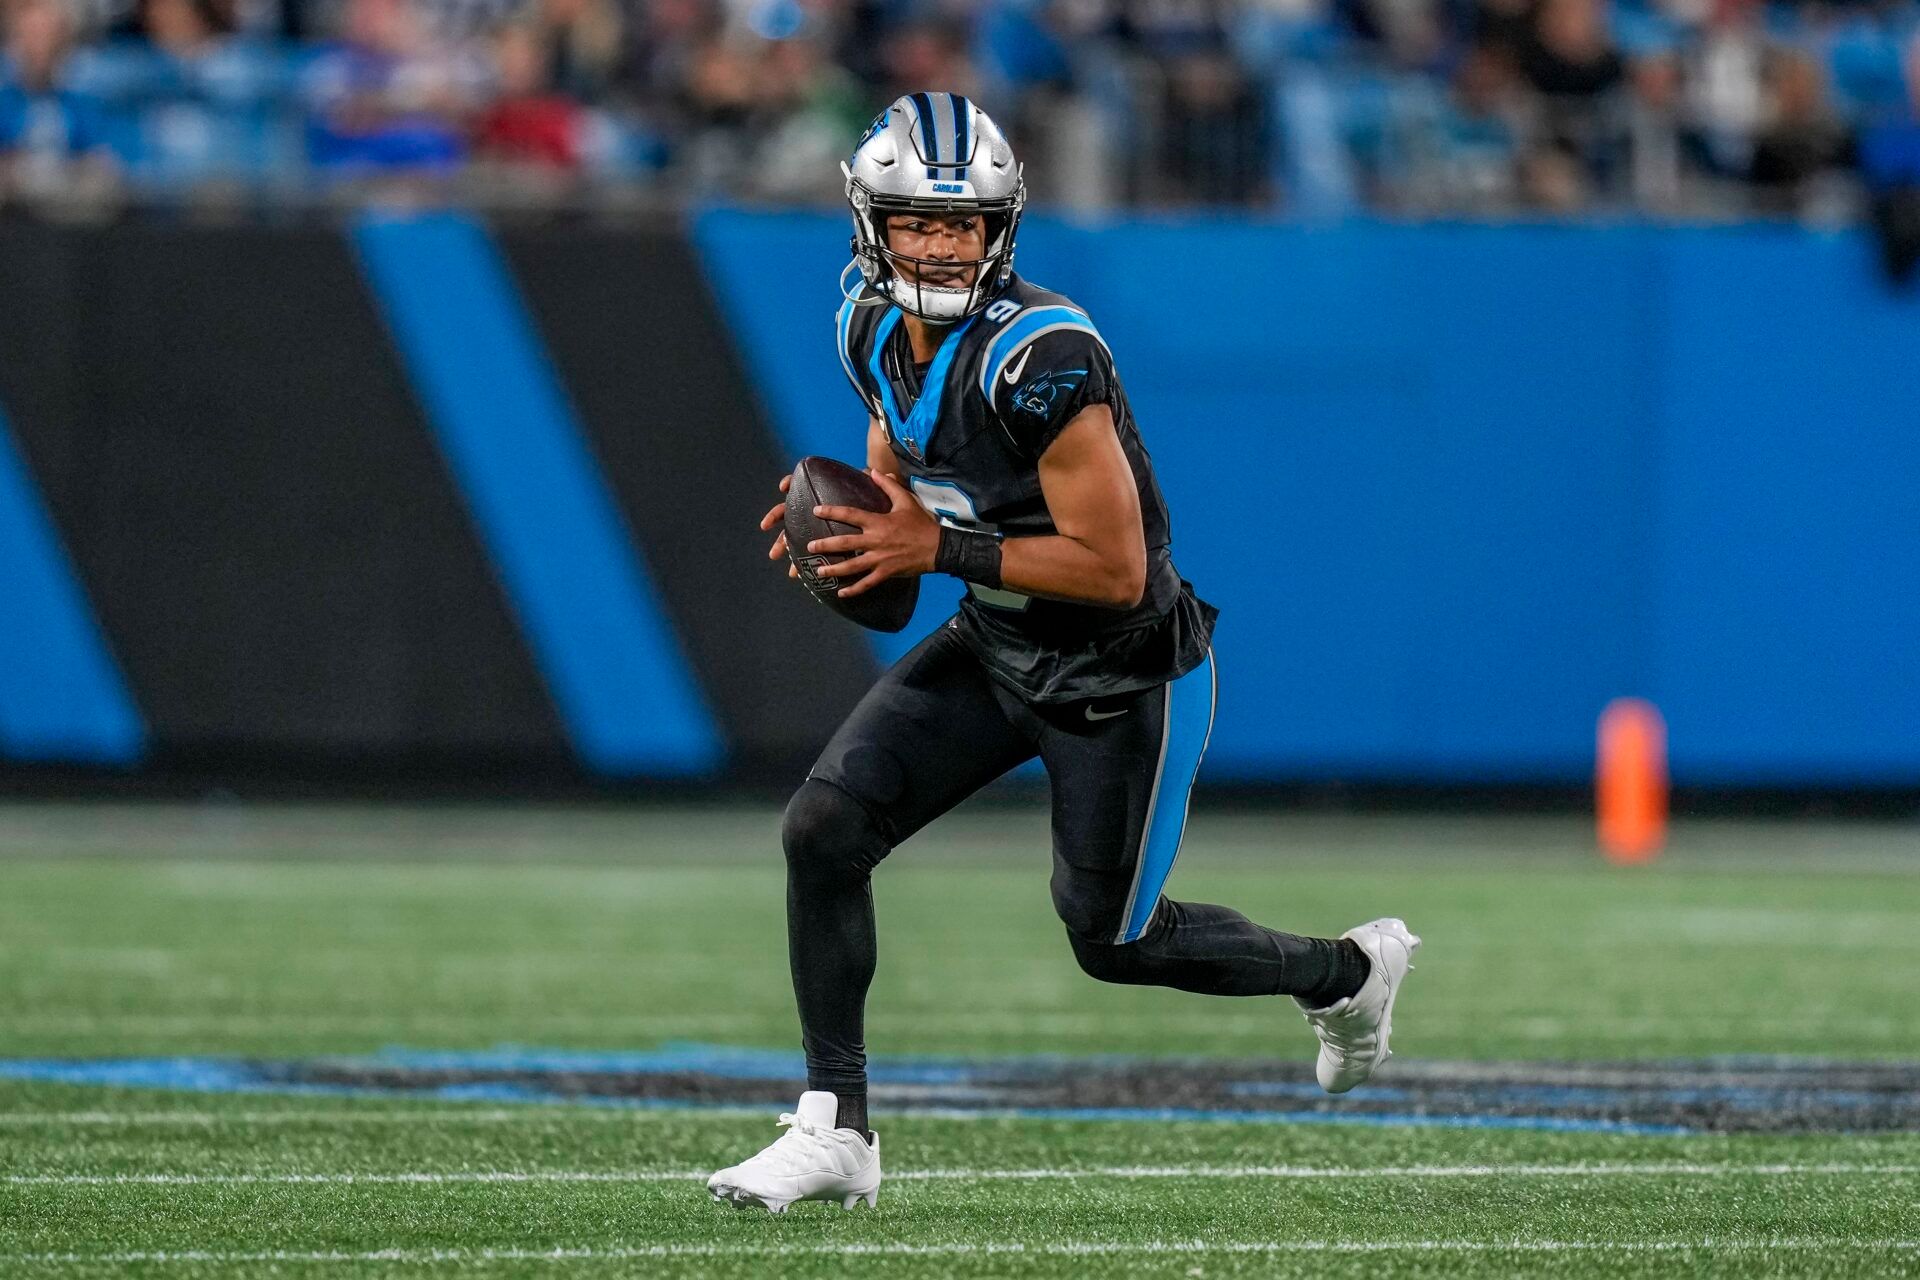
(968,430)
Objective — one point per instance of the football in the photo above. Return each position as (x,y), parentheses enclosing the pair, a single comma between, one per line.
(827,482)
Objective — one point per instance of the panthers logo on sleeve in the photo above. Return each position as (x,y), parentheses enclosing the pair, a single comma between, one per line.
(1044,366)
(1039,396)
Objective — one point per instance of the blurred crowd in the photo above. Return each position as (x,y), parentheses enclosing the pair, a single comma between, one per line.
(1688,108)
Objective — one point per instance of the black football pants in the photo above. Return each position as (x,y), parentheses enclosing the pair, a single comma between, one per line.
(937,728)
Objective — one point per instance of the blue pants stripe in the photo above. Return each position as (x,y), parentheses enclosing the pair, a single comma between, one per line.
(62,697)
(568,562)
(1188,723)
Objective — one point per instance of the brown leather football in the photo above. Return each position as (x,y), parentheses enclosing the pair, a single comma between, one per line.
(827,482)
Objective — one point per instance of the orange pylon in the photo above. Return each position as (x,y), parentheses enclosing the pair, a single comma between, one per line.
(1630,781)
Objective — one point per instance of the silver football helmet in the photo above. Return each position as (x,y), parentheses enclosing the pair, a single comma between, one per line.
(932,153)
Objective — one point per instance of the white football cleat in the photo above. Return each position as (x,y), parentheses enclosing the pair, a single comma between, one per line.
(812,1160)
(1353,1031)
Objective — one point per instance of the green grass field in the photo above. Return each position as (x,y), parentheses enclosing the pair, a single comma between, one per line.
(300,933)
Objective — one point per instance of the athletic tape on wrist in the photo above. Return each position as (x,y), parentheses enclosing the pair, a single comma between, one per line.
(969,556)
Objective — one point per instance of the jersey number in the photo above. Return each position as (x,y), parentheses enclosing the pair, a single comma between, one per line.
(950,505)
(1002,309)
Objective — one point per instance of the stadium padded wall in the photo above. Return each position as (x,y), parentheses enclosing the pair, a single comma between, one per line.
(427,500)
(1455,487)
(298,568)
(657,383)
(509,436)
(233,454)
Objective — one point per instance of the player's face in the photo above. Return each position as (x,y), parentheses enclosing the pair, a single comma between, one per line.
(938,239)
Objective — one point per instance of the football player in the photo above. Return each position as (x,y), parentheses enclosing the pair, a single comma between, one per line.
(999,429)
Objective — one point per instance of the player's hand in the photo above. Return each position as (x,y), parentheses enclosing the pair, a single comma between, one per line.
(900,543)
(776,519)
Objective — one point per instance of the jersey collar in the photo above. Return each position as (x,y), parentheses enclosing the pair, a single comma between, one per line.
(915,430)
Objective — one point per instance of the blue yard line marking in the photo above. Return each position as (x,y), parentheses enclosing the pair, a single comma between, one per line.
(1737,1096)
(931,1086)
(568,562)
(1300,1089)
(232,1075)
(719,1061)
(239,1076)
(196,1075)
(62,697)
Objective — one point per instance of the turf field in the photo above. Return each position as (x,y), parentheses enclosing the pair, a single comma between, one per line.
(381,949)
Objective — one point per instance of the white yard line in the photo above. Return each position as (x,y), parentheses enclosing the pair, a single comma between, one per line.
(1067,1248)
(1276,1172)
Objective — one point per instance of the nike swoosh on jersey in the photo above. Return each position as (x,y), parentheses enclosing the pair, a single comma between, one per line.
(1012,375)
(1103,715)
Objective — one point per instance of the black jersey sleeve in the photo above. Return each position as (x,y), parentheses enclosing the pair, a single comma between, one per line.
(853,330)
(1041,386)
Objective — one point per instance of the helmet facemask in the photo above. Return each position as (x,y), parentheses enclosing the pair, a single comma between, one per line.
(897,276)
